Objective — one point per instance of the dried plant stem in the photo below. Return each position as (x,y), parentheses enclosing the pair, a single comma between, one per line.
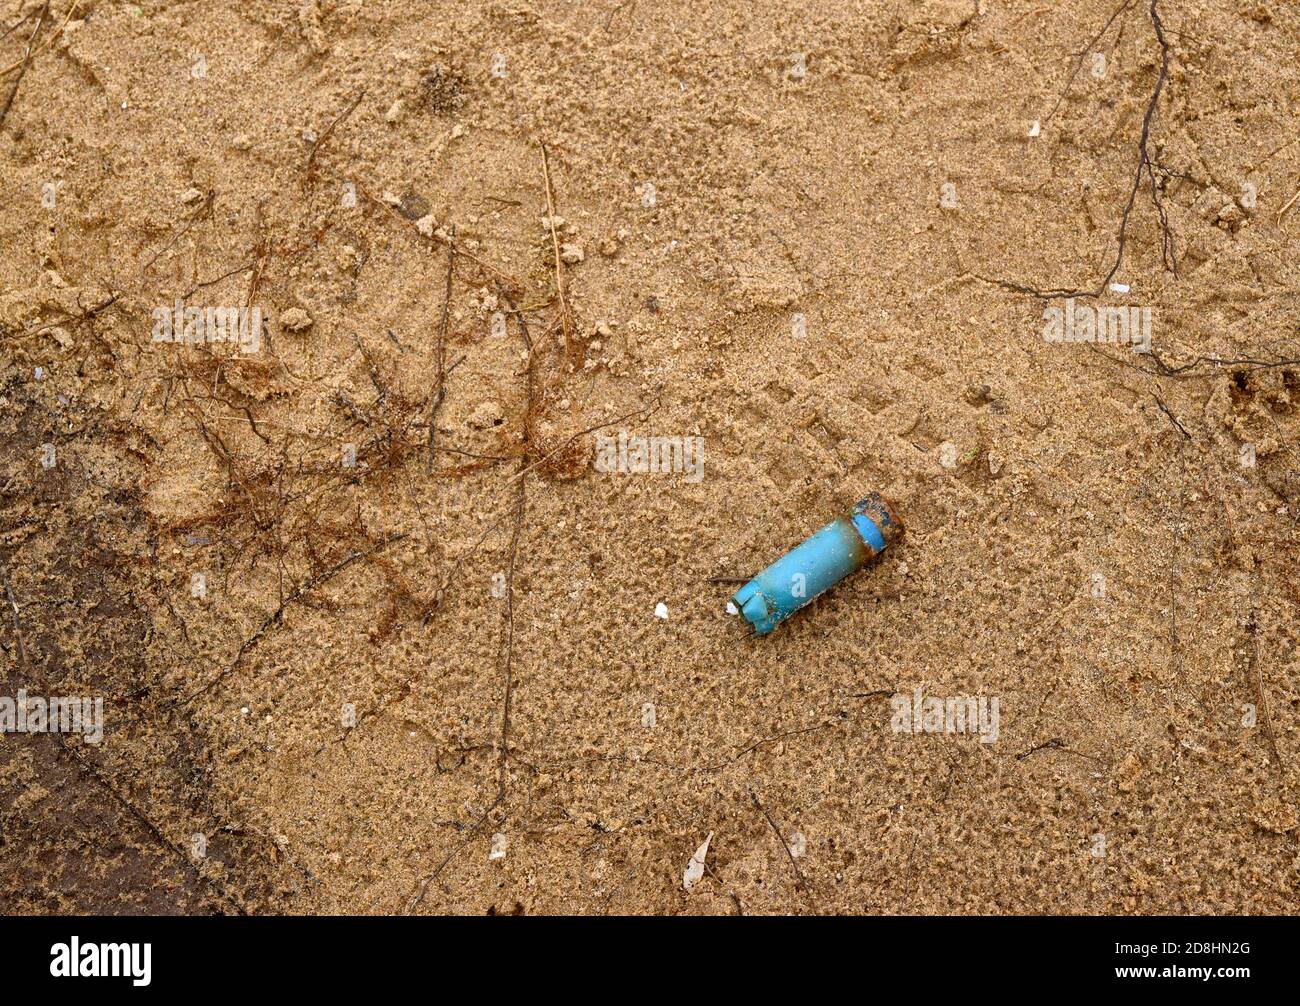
(440,352)
(566,320)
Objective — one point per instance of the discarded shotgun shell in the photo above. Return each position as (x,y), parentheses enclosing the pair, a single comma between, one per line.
(842,547)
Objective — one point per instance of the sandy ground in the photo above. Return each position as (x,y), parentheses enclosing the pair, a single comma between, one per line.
(806,232)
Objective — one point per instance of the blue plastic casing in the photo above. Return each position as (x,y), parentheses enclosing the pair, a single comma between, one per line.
(842,547)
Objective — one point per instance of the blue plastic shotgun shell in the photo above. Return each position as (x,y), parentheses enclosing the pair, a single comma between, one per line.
(842,547)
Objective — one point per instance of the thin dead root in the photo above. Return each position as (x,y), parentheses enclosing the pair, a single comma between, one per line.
(1145,168)
(272,619)
(566,316)
(23,64)
(440,350)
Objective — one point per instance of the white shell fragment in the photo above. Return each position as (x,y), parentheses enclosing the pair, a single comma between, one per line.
(695,868)
(498,846)
(732,609)
(661,610)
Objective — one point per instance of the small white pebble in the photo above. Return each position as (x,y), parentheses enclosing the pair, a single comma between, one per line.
(40,373)
(244,710)
(661,610)
(798,844)
(1119,288)
(498,846)
(732,609)
(1034,128)
(648,715)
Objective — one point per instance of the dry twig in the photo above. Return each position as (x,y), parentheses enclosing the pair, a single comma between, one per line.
(440,350)
(566,319)
(23,64)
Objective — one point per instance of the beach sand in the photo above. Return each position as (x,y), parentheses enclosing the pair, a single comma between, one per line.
(343,673)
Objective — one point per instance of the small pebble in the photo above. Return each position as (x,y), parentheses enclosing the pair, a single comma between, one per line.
(661,610)
(412,205)
(295,320)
